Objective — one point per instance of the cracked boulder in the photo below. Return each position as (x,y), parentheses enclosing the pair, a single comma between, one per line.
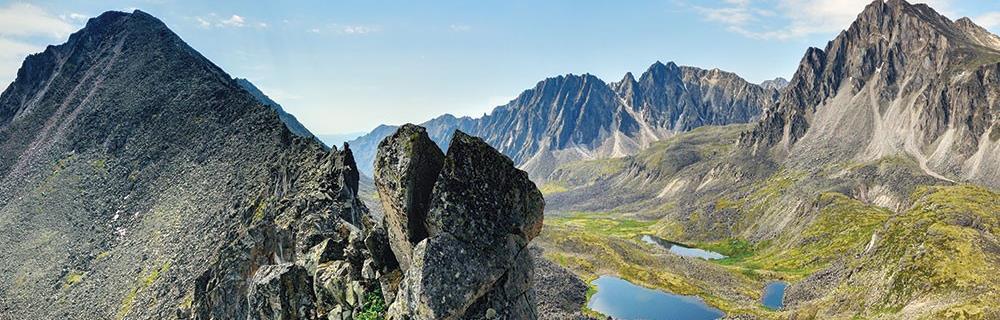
(406,167)
(282,291)
(481,214)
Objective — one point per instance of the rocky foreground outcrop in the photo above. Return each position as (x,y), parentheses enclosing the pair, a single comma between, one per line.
(459,225)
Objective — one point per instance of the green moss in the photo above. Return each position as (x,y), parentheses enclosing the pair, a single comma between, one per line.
(73,278)
(144,283)
(103,255)
(99,165)
(374,307)
(553,187)
(586,310)
(260,211)
(187,302)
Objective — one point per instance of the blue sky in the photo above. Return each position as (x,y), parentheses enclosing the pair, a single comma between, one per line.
(347,66)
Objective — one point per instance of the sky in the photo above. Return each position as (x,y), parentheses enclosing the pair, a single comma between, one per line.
(348,66)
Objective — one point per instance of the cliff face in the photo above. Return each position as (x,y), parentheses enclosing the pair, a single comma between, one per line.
(901,80)
(579,117)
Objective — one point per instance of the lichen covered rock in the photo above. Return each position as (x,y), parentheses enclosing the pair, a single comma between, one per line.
(406,167)
(482,212)
(282,291)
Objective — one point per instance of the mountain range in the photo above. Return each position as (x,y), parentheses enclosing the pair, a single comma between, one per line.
(138,180)
(577,117)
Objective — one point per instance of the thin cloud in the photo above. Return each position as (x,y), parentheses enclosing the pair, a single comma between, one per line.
(19,22)
(358,29)
(460,28)
(234,21)
(989,20)
(347,29)
(790,19)
(203,23)
(22,19)
(213,20)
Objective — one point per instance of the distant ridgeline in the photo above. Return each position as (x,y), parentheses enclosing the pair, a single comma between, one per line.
(580,117)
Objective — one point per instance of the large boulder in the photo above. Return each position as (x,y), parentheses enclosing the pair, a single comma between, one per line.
(406,167)
(480,197)
(481,212)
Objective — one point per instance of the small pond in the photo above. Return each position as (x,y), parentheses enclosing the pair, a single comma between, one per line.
(774,295)
(623,300)
(681,250)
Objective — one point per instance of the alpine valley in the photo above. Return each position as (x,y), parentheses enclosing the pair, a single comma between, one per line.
(138,180)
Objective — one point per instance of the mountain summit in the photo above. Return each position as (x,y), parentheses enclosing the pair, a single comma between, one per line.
(902,79)
(138,180)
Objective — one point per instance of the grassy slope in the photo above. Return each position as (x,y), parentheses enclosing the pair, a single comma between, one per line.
(923,258)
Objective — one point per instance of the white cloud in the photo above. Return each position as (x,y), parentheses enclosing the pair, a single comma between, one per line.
(21,19)
(989,20)
(347,29)
(789,19)
(76,17)
(11,54)
(19,24)
(460,28)
(358,29)
(203,23)
(234,21)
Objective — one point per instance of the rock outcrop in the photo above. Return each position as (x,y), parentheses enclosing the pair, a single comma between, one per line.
(406,168)
(471,261)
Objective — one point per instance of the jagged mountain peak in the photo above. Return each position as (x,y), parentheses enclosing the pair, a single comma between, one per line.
(778,84)
(901,79)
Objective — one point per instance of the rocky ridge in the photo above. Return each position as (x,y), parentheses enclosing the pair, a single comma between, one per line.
(578,117)
(140,181)
(290,121)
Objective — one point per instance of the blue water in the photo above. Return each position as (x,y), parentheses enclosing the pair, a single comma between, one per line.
(623,300)
(682,250)
(774,295)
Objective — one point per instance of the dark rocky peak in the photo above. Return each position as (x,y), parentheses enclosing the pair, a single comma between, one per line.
(113,33)
(659,72)
(459,225)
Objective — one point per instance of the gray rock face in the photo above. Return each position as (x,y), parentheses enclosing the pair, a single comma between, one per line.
(406,167)
(480,197)
(552,122)
(902,79)
(281,291)
(777,84)
(473,262)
